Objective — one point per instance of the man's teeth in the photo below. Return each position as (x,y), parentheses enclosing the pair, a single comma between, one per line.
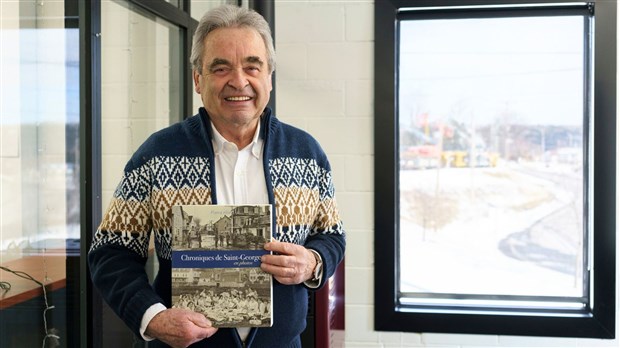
(238,98)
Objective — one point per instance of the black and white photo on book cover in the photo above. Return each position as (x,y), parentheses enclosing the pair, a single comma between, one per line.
(216,251)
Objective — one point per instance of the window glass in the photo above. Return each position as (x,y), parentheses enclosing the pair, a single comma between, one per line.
(141,93)
(39,172)
(491,119)
(176,3)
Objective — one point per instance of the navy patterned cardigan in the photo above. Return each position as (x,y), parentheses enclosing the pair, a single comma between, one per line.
(176,166)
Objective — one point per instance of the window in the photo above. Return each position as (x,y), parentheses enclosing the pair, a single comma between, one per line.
(39,173)
(141,92)
(495,139)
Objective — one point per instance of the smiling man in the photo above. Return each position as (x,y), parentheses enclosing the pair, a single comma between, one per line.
(234,151)
(234,81)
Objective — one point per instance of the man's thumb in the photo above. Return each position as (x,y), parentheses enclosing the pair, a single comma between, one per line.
(200,320)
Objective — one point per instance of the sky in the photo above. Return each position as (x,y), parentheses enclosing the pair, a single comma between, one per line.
(476,70)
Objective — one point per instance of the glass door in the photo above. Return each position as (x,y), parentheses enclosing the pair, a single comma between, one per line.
(141,92)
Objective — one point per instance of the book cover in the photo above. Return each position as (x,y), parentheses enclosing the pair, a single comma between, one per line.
(216,251)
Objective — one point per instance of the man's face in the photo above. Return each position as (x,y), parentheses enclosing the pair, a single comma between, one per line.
(235,81)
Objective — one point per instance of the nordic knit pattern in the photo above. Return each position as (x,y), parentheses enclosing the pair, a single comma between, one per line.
(136,207)
(174,166)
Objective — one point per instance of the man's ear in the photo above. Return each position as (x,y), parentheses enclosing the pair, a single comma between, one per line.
(196,76)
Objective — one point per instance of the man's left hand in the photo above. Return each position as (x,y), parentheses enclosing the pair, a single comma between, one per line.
(289,264)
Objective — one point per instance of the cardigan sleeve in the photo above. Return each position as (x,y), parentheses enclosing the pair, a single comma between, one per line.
(125,289)
(119,250)
(327,235)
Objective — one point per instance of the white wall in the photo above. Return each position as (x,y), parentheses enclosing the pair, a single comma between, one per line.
(325,85)
(135,86)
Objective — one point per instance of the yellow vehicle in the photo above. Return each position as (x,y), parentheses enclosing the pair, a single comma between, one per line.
(461,159)
(445,146)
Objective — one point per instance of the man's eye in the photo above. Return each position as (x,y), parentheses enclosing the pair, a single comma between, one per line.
(219,70)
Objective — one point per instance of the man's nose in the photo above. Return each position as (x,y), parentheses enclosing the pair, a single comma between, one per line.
(238,79)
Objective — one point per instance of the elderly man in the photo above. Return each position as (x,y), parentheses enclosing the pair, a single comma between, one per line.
(234,151)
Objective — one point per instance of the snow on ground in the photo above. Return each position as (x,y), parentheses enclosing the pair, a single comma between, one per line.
(454,220)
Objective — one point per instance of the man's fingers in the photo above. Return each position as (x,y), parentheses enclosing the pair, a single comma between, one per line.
(200,320)
(289,264)
(282,247)
(180,327)
(278,260)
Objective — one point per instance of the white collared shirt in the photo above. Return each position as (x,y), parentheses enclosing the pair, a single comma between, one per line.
(239,177)
(239,174)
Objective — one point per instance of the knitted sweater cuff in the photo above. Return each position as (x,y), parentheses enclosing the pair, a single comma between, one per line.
(137,306)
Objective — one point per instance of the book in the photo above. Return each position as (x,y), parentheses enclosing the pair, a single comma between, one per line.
(216,251)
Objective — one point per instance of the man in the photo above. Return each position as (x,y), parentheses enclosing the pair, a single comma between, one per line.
(234,151)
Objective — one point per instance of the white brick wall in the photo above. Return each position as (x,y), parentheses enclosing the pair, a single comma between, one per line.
(325,86)
(135,87)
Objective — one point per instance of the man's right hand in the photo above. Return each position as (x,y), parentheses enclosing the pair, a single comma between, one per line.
(179,328)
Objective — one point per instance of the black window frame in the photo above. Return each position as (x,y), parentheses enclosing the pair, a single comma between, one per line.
(598,318)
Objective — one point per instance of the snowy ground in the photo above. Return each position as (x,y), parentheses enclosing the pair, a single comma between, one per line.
(492,230)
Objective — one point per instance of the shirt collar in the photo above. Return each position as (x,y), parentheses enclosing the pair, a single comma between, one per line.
(219,141)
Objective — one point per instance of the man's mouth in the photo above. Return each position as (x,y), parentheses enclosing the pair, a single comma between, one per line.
(244,98)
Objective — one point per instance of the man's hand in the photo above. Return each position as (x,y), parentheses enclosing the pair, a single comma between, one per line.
(179,328)
(290,263)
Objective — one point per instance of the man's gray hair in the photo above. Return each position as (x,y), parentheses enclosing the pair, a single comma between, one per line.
(229,16)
